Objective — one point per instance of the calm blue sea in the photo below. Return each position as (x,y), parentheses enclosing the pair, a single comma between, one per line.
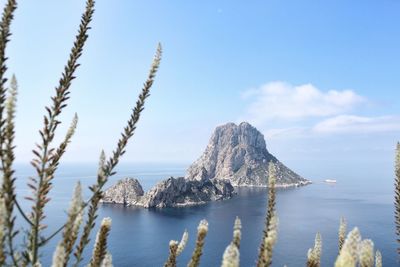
(139,237)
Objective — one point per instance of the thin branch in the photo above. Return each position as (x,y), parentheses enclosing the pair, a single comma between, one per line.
(106,169)
(7,130)
(237,232)
(270,213)
(175,249)
(397,194)
(46,158)
(71,231)
(270,241)
(7,17)
(7,166)
(21,211)
(100,246)
(202,231)
(342,232)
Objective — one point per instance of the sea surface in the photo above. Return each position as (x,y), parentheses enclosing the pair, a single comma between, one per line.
(363,194)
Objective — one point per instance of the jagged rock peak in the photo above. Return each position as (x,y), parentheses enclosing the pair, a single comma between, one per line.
(239,153)
(243,134)
(127,191)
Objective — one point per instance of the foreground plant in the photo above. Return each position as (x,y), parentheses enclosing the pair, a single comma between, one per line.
(100,247)
(202,231)
(271,222)
(175,249)
(71,230)
(270,241)
(358,252)
(314,254)
(46,156)
(46,160)
(231,256)
(342,232)
(237,232)
(7,113)
(397,194)
(378,259)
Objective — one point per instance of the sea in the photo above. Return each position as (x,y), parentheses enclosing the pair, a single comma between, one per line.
(363,194)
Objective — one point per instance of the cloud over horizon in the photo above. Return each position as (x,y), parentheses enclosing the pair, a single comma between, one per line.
(281,100)
(358,124)
(305,110)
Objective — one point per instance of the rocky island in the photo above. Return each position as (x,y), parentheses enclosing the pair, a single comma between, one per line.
(239,153)
(236,155)
(172,192)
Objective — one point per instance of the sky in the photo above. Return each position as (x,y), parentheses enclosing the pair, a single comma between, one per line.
(320,79)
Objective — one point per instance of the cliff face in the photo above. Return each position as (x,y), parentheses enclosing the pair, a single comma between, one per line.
(175,192)
(172,192)
(239,153)
(127,191)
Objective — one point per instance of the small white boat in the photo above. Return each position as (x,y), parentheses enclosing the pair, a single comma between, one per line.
(330,181)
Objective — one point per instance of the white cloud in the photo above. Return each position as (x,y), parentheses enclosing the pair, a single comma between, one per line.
(306,111)
(358,124)
(280,100)
(342,124)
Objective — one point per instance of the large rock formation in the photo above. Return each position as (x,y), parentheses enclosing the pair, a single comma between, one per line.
(236,155)
(172,192)
(239,153)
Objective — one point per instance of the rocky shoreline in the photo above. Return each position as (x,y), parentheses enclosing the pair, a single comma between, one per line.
(172,192)
(299,184)
(128,192)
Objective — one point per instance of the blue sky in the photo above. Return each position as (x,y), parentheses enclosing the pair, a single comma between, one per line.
(319,78)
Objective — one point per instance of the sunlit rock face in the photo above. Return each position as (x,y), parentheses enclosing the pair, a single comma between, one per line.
(127,191)
(175,192)
(239,154)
